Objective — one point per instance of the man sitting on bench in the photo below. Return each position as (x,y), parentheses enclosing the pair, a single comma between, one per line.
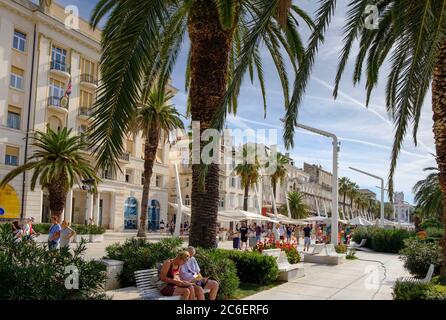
(190,272)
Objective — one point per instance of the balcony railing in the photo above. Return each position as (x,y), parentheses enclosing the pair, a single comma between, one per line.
(85,77)
(125,156)
(56,102)
(61,66)
(85,111)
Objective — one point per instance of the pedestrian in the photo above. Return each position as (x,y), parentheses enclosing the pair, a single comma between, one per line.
(258,231)
(282,233)
(66,234)
(172,229)
(276,232)
(17,231)
(162,226)
(54,234)
(288,233)
(243,235)
(307,237)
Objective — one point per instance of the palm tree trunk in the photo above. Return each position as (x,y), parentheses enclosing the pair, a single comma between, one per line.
(245,199)
(343,205)
(150,148)
(439,128)
(210,47)
(57,198)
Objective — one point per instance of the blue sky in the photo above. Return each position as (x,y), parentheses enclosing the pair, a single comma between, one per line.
(366,134)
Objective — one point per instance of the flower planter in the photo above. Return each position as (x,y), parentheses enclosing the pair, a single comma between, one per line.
(96,237)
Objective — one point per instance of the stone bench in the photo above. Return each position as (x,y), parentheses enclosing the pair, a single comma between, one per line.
(287,271)
(324,254)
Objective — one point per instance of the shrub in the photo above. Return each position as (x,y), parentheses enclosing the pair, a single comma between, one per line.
(42,228)
(253,267)
(434,232)
(94,229)
(139,254)
(382,240)
(290,249)
(419,254)
(31,272)
(341,248)
(292,254)
(431,223)
(418,291)
(216,265)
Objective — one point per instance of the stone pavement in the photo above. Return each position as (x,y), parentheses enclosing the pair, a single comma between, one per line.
(371,277)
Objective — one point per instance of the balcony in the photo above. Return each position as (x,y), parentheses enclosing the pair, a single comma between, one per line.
(60,68)
(125,157)
(89,81)
(85,113)
(54,103)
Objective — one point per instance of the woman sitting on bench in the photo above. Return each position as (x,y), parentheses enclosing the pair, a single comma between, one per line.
(170,274)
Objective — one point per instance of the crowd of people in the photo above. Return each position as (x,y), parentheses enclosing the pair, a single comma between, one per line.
(246,236)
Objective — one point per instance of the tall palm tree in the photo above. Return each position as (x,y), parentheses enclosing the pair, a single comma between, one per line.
(280,172)
(353,194)
(298,208)
(428,196)
(411,36)
(57,164)
(249,171)
(344,188)
(153,117)
(141,42)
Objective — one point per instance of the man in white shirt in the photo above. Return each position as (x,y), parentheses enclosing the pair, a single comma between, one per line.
(190,271)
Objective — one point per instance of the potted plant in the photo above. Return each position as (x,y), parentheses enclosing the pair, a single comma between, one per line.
(96,233)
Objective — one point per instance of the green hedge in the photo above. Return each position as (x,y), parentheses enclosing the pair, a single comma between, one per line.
(253,267)
(218,266)
(431,223)
(139,254)
(44,228)
(382,240)
(418,255)
(29,271)
(418,291)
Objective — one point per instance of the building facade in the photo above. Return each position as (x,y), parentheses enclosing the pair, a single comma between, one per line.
(403,209)
(40,59)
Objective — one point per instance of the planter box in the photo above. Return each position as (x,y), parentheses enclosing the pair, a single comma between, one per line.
(113,269)
(79,237)
(96,237)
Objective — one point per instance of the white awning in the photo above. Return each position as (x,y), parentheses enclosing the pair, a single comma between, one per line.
(358,221)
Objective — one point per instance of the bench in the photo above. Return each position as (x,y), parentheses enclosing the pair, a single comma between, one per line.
(427,278)
(287,271)
(149,285)
(330,256)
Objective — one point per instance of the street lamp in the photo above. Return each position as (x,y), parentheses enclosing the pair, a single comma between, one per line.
(334,205)
(87,185)
(382,191)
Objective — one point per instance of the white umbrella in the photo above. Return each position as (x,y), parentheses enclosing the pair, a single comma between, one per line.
(315,219)
(358,221)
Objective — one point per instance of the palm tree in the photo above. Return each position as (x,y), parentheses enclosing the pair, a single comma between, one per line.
(428,196)
(141,42)
(344,188)
(248,170)
(353,194)
(279,172)
(57,164)
(298,208)
(411,36)
(154,117)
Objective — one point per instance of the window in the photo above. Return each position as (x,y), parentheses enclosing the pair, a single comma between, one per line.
(222,202)
(142,178)
(187,200)
(58,59)
(128,176)
(12,156)
(16,80)
(233,182)
(56,89)
(187,183)
(13,117)
(87,67)
(19,41)
(86,99)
